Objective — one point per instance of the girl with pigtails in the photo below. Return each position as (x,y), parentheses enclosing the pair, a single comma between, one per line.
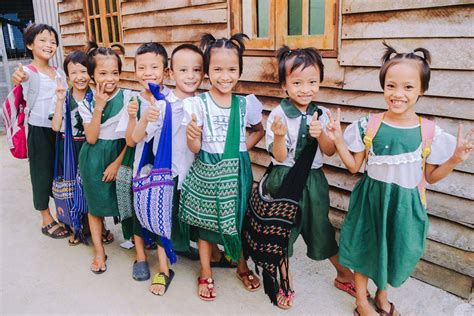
(216,190)
(383,235)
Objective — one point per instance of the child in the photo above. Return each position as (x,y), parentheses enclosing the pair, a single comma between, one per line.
(300,73)
(75,67)
(41,42)
(383,235)
(186,70)
(102,155)
(216,130)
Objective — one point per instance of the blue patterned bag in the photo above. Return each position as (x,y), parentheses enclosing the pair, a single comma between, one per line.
(153,193)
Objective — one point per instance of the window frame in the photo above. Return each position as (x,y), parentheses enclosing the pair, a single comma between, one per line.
(327,44)
(102,16)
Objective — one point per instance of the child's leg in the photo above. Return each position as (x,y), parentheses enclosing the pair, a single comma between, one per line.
(382,303)
(95,224)
(286,301)
(249,279)
(205,253)
(139,248)
(47,219)
(344,275)
(362,302)
(159,288)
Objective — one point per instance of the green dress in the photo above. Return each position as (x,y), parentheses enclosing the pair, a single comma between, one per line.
(101,196)
(383,235)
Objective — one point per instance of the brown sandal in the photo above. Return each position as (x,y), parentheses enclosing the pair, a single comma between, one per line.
(250,276)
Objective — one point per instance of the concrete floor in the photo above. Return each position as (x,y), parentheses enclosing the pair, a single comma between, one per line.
(40,275)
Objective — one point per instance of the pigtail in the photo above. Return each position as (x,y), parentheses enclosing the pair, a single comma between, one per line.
(120,48)
(389,51)
(238,40)
(426,54)
(283,53)
(91,46)
(206,41)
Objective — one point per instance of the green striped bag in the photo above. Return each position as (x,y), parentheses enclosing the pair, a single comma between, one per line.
(210,192)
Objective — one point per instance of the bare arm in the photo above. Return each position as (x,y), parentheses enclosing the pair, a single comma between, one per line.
(279,150)
(256,134)
(132,110)
(464,146)
(58,111)
(110,173)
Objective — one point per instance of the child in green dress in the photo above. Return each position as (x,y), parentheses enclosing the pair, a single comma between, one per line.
(290,126)
(383,235)
(102,154)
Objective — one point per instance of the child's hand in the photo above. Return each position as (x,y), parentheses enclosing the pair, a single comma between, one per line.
(333,129)
(152,114)
(60,89)
(464,145)
(110,172)
(315,127)
(101,96)
(133,107)
(193,131)
(19,75)
(278,128)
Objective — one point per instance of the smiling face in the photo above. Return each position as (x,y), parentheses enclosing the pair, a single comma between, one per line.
(78,76)
(44,45)
(149,67)
(402,87)
(301,85)
(107,72)
(187,72)
(223,70)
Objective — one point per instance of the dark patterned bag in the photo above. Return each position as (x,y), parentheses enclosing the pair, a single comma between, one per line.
(269,220)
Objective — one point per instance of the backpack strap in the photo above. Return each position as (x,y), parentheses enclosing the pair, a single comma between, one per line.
(427,135)
(373,125)
(33,89)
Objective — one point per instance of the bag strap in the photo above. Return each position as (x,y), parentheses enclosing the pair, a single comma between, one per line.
(373,125)
(295,181)
(232,140)
(163,158)
(33,88)
(69,161)
(427,128)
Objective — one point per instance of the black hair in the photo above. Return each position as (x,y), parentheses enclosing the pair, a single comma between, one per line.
(295,58)
(75,57)
(190,47)
(93,50)
(423,61)
(33,30)
(119,47)
(236,41)
(153,47)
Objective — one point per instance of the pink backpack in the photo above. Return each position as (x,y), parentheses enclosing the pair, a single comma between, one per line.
(427,135)
(15,112)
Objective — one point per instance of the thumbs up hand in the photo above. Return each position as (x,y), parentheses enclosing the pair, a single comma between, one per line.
(193,131)
(20,75)
(132,108)
(152,114)
(278,128)
(315,127)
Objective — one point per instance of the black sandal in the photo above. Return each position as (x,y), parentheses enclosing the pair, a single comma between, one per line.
(162,279)
(107,237)
(58,233)
(224,262)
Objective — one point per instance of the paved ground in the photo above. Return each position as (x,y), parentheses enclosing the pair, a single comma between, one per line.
(40,275)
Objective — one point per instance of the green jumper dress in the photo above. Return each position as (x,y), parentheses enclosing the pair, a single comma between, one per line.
(384,232)
(94,159)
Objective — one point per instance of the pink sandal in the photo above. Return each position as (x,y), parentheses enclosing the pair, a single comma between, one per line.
(209,282)
(348,287)
(289,298)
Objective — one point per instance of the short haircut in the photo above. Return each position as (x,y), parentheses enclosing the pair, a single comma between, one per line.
(392,57)
(153,47)
(190,47)
(209,42)
(33,30)
(295,58)
(75,57)
(93,50)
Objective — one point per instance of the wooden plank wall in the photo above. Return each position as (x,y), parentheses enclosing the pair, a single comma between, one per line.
(351,82)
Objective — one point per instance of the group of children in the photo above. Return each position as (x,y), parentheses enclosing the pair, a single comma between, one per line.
(383,235)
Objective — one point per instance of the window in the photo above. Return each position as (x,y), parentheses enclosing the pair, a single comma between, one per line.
(103,21)
(296,23)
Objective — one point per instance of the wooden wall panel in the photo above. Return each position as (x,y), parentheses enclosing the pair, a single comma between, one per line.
(357,6)
(153,5)
(424,23)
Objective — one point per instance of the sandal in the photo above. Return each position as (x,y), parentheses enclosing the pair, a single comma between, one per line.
(107,237)
(348,287)
(73,242)
(191,254)
(209,282)
(250,276)
(141,271)
(58,233)
(289,298)
(101,270)
(384,312)
(224,262)
(162,279)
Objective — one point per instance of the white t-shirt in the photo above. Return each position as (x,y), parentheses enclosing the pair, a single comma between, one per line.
(291,138)
(39,114)
(215,121)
